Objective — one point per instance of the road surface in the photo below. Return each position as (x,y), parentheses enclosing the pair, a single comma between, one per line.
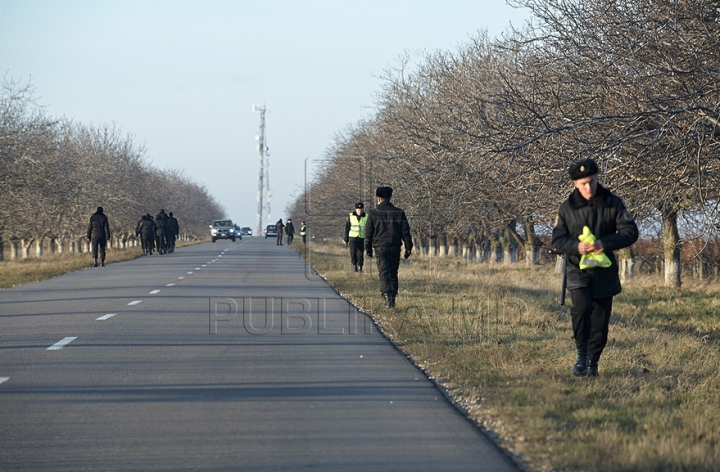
(224,356)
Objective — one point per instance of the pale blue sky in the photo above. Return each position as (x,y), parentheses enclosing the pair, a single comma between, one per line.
(182,76)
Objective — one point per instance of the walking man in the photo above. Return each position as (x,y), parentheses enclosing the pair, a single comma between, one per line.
(592,289)
(173,229)
(290,231)
(146,230)
(279,226)
(303,231)
(386,229)
(98,233)
(355,236)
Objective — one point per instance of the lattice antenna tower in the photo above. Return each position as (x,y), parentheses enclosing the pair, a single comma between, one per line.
(263,165)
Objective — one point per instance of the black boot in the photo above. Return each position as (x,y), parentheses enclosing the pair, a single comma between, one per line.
(580,369)
(593,369)
(94,261)
(355,268)
(389,300)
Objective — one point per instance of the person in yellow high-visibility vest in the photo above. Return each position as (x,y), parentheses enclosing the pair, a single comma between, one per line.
(303,231)
(355,236)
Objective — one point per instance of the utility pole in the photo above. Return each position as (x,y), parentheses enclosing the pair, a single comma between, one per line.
(263,172)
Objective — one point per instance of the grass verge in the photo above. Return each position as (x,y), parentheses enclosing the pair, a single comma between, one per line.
(497,340)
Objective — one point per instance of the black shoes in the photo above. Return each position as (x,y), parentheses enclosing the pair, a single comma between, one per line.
(593,369)
(355,268)
(580,369)
(389,301)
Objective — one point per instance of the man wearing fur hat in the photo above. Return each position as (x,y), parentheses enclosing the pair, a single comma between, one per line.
(355,236)
(386,229)
(592,285)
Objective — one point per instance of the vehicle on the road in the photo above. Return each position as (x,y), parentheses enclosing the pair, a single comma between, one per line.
(270,232)
(238,232)
(222,229)
(246,231)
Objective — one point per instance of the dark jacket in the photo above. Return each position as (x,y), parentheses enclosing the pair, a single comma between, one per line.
(146,227)
(608,219)
(172,226)
(98,229)
(290,229)
(387,226)
(279,227)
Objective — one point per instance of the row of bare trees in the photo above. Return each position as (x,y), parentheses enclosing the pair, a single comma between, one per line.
(477,141)
(54,173)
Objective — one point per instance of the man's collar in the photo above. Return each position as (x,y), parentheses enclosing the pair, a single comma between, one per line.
(601,198)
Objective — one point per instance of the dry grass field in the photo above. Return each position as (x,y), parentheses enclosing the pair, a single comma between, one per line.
(497,340)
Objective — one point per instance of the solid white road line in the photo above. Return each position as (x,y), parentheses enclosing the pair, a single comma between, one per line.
(105,317)
(134,302)
(169,285)
(62,343)
(154,292)
(4,379)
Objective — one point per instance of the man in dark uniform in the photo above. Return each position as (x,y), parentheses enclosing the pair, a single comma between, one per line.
(591,289)
(98,233)
(146,230)
(161,232)
(279,226)
(290,231)
(386,229)
(355,236)
(172,229)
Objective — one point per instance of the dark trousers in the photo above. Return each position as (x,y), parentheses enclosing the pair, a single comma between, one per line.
(357,251)
(279,239)
(303,236)
(99,246)
(388,263)
(160,243)
(147,242)
(290,237)
(590,320)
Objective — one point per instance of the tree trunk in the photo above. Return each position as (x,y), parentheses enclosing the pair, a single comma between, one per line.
(531,251)
(13,249)
(39,248)
(25,247)
(2,249)
(626,264)
(671,248)
(507,247)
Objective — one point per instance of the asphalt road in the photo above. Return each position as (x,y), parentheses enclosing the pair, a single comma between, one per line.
(224,356)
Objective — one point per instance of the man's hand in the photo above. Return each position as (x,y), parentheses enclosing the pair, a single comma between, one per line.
(407,253)
(586,248)
(369,253)
(346,244)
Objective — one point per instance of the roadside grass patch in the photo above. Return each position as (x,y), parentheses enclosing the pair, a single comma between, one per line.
(497,340)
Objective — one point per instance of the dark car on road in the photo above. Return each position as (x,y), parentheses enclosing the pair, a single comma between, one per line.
(222,229)
(246,231)
(270,232)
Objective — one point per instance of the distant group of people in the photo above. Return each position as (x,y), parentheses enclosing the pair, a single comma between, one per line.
(288,230)
(158,234)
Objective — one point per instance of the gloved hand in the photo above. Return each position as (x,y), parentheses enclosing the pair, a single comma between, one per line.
(346,244)
(407,253)
(369,253)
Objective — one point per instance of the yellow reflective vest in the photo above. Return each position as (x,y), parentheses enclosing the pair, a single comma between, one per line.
(303,230)
(357,226)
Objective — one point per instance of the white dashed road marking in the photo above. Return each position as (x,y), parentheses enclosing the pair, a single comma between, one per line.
(204,265)
(190,273)
(134,302)
(169,285)
(154,292)
(62,343)
(106,317)
(197,268)
(4,379)
(180,278)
